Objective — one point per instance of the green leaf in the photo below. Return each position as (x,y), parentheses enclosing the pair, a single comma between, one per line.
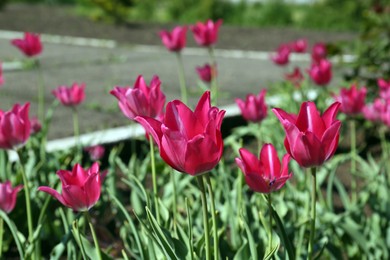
(252,244)
(269,253)
(14,231)
(282,232)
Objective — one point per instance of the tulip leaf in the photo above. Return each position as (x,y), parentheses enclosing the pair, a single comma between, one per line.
(251,241)
(14,231)
(270,252)
(282,232)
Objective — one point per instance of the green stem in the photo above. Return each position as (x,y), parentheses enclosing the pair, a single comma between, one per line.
(41,94)
(1,236)
(213,217)
(270,221)
(313,212)
(214,81)
(154,180)
(182,80)
(76,126)
(28,202)
(95,240)
(174,202)
(78,238)
(205,217)
(352,126)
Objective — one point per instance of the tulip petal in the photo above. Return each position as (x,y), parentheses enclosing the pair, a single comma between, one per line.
(92,189)
(283,116)
(249,161)
(309,119)
(330,139)
(55,194)
(269,161)
(173,149)
(330,114)
(178,117)
(257,183)
(202,109)
(151,126)
(75,197)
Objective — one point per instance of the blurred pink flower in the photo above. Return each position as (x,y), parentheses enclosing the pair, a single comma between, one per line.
(206,34)
(264,174)
(30,45)
(296,77)
(96,152)
(299,45)
(281,57)
(352,100)
(36,125)
(175,40)
(70,96)
(207,72)
(141,100)
(373,111)
(8,196)
(318,52)
(384,89)
(321,72)
(189,141)
(15,126)
(254,108)
(80,188)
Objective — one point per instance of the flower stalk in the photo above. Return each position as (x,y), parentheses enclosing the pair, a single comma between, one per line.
(213,217)
(183,87)
(205,217)
(154,179)
(313,212)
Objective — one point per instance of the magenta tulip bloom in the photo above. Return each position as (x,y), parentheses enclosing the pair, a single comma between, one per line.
(70,96)
(311,139)
(36,125)
(96,152)
(299,45)
(175,40)
(318,52)
(373,112)
(80,188)
(296,77)
(30,45)
(15,126)
(206,73)
(190,142)
(254,108)
(384,89)
(321,72)
(352,100)
(281,57)
(206,34)
(8,196)
(264,174)
(141,100)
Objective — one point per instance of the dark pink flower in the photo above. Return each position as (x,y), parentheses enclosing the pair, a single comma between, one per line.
(30,45)
(96,152)
(70,96)
(254,108)
(190,142)
(8,196)
(206,34)
(264,174)
(318,52)
(207,72)
(296,77)
(373,111)
(175,40)
(299,45)
(80,188)
(14,126)
(311,139)
(384,89)
(141,100)
(35,125)
(321,72)
(352,100)
(281,57)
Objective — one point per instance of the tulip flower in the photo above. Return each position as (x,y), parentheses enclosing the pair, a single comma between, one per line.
(207,72)
(30,45)
(318,52)
(281,57)
(36,125)
(70,96)
(80,188)
(296,77)
(175,40)
(264,174)
(206,34)
(311,139)
(299,45)
(254,108)
(384,89)
(8,196)
(373,111)
(96,152)
(15,126)
(141,100)
(321,72)
(189,141)
(352,100)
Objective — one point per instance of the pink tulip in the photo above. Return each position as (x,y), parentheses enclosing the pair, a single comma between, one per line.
(264,174)
(311,139)
(141,100)
(321,72)
(190,142)
(281,57)
(254,108)
(373,112)
(30,45)
(296,77)
(175,40)
(96,152)
(385,113)
(299,45)
(1,75)
(352,100)
(206,34)
(14,126)
(36,125)
(318,52)
(8,196)
(384,89)
(80,188)
(206,73)
(70,96)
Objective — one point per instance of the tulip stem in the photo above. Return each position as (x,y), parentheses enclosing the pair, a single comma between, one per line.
(270,221)
(352,126)
(213,217)
(76,130)
(214,82)
(95,240)
(28,202)
(41,93)
(205,217)
(154,179)
(182,80)
(313,212)
(174,202)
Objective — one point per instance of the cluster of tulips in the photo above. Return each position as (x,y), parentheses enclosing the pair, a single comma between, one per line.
(191,142)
